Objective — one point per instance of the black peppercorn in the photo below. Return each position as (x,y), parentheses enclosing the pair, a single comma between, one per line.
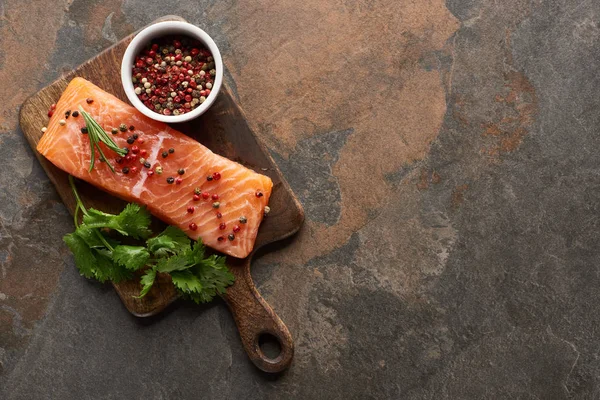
(171,150)
(126,170)
(170,180)
(147,164)
(84,130)
(231,236)
(165,154)
(75,114)
(135,135)
(209,178)
(131,127)
(130,140)
(181,171)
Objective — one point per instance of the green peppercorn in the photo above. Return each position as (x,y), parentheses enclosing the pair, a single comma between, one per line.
(197,191)
(122,127)
(158,170)
(114,131)
(216,204)
(243,220)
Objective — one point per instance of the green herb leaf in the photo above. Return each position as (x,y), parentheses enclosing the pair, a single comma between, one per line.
(147,281)
(196,255)
(171,241)
(132,221)
(177,262)
(90,236)
(186,281)
(131,257)
(107,269)
(214,277)
(84,258)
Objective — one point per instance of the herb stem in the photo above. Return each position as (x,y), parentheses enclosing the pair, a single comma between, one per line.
(103,240)
(77,198)
(75,214)
(96,135)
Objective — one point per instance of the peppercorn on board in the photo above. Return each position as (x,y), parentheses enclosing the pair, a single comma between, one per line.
(224,130)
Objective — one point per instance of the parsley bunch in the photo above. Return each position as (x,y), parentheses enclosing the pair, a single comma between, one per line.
(97,255)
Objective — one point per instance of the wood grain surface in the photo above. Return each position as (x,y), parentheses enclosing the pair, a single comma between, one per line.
(223,129)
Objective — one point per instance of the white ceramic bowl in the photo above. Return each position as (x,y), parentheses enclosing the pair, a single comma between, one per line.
(142,39)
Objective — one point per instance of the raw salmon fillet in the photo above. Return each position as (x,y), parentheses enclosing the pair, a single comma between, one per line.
(241,191)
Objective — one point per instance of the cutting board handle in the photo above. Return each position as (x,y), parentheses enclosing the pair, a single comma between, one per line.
(255,318)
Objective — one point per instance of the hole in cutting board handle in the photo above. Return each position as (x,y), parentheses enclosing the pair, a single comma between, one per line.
(269,347)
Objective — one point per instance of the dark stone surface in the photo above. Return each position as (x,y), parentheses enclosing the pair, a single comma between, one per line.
(447,155)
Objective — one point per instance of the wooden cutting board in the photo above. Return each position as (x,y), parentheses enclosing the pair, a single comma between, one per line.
(224,129)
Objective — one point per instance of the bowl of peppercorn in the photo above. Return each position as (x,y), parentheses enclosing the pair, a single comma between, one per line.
(172,71)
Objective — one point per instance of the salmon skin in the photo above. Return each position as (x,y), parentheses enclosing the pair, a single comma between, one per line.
(242,193)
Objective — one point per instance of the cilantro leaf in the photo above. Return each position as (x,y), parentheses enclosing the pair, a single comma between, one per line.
(94,262)
(214,274)
(196,255)
(106,269)
(132,221)
(172,240)
(84,258)
(131,257)
(92,237)
(147,281)
(214,277)
(89,236)
(186,281)
(177,262)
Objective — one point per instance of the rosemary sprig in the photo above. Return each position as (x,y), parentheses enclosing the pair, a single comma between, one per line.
(97,135)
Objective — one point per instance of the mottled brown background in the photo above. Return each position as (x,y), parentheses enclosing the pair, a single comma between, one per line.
(446,154)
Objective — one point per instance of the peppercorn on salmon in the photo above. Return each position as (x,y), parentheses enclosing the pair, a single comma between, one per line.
(178,179)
